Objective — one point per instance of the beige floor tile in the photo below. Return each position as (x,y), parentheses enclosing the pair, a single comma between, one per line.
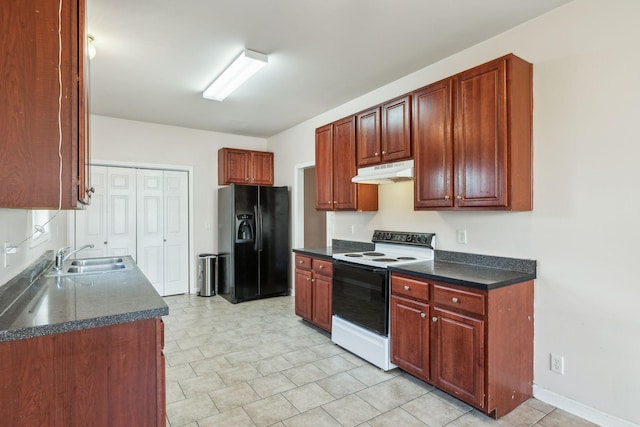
(317,417)
(190,410)
(183,357)
(273,365)
(560,418)
(308,397)
(539,405)
(238,374)
(207,366)
(341,385)
(334,364)
(173,392)
(301,357)
(204,384)
(351,410)
(522,416)
(271,410)
(433,411)
(271,384)
(327,349)
(233,396)
(242,357)
(304,374)
(175,373)
(170,347)
(371,375)
(396,418)
(392,393)
(233,418)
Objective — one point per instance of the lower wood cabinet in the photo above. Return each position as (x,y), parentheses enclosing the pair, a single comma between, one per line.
(105,376)
(313,290)
(476,345)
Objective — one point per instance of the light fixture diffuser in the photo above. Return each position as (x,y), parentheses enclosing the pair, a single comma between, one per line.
(243,67)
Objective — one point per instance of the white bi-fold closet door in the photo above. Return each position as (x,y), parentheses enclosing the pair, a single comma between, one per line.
(142,213)
(163,229)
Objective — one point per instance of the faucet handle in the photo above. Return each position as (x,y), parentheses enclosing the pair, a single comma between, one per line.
(63,250)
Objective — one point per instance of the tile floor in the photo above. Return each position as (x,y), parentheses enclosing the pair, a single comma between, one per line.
(257,364)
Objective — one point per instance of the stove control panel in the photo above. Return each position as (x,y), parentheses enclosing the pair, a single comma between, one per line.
(400,237)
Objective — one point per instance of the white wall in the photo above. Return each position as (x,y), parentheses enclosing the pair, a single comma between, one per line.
(582,229)
(16,226)
(118,140)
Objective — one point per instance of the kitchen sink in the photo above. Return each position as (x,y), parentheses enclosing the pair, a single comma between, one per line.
(92,266)
(97,261)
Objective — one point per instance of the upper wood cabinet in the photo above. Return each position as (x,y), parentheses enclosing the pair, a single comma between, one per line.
(384,132)
(245,167)
(34,128)
(472,138)
(336,165)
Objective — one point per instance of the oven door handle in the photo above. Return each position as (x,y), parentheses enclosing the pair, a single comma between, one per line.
(360,266)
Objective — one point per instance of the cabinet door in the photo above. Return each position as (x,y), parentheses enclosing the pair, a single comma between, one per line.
(368,137)
(344,164)
(481,136)
(458,355)
(261,168)
(324,168)
(396,129)
(36,71)
(322,301)
(304,297)
(410,336)
(233,166)
(433,146)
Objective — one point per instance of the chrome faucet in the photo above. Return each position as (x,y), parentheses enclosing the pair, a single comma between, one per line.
(62,254)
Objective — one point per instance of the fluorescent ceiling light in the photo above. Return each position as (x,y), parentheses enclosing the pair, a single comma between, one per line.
(243,67)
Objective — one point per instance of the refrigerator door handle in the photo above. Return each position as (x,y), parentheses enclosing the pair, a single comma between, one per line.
(257,215)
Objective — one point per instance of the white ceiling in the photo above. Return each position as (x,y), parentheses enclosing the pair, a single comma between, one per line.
(155,57)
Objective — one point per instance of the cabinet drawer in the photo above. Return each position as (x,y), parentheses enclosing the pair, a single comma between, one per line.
(470,301)
(323,267)
(303,262)
(409,287)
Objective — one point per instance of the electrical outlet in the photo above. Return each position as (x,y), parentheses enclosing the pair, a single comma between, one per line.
(462,237)
(557,364)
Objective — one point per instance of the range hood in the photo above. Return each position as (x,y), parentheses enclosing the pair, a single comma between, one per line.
(385,174)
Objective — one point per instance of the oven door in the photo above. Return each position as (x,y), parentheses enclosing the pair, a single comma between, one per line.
(361,295)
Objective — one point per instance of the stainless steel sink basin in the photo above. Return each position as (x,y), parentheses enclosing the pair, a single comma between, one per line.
(95,268)
(97,261)
(92,266)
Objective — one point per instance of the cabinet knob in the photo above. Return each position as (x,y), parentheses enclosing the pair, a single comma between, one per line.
(423,315)
(321,267)
(459,197)
(447,197)
(406,287)
(308,278)
(454,299)
(106,243)
(313,280)
(383,153)
(300,262)
(246,179)
(434,319)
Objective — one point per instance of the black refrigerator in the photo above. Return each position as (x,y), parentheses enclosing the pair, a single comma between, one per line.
(253,242)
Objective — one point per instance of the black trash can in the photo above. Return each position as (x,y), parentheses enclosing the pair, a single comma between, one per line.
(207,275)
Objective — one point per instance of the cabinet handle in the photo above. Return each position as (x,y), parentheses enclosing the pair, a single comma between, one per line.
(406,287)
(454,299)
(423,315)
(434,318)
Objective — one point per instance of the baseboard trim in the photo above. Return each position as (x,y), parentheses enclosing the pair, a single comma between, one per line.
(579,409)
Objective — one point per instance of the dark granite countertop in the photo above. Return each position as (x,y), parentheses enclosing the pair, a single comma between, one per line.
(471,275)
(33,304)
(472,270)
